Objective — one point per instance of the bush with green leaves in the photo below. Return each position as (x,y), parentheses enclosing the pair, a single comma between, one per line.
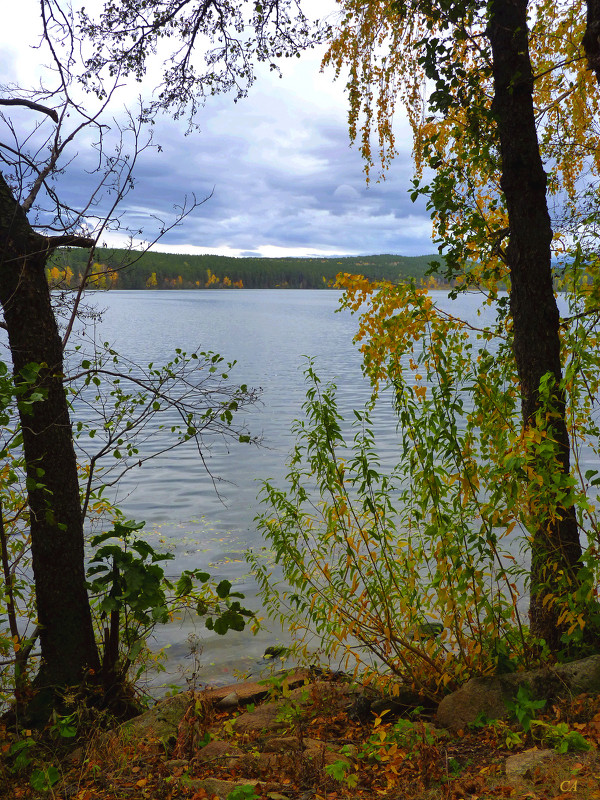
(132,594)
(367,558)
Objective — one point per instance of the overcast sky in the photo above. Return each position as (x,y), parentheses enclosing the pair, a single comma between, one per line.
(283,177)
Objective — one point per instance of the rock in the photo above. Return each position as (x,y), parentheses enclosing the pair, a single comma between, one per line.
(519,765)
(252,691)
(332,756)
(290,744)
(161,721)
(272,716)
(264,718)
(398,700)
(304,695)
(396,706)
(231,700)
(488,696)
(223,751)
(283,744)
(268,763)
(583,676)
(177,762)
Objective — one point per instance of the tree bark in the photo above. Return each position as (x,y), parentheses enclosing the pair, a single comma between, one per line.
(57,540)
(591,38)
(555,545)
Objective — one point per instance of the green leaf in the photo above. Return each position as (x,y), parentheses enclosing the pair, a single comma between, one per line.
(43,779)
(184,585)
(223,589)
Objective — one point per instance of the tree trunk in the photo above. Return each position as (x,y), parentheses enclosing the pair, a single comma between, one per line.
(66,635)
(591,38)
(555,543)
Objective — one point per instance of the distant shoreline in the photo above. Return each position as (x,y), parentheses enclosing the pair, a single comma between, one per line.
(122,269)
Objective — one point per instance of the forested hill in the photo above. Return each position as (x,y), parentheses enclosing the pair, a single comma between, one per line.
(122,269)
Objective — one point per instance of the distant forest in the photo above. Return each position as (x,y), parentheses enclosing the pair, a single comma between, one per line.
(124,269)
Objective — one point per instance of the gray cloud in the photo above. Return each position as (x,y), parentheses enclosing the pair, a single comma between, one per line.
(281,173)
(281,187)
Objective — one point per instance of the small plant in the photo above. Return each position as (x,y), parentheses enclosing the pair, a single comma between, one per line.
(192,733)
(454,767)
(512,738)
(340,771)
(292,712)
(21,751)
(42,780)
(480,722)
(63,727)
(247,792)
(404,735)
(524,707)
(133,594)
(561,737)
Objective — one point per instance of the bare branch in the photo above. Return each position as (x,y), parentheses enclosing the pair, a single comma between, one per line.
(14,101)
(70,240)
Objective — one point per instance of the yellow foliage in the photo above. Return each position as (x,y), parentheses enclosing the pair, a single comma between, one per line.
(382,44)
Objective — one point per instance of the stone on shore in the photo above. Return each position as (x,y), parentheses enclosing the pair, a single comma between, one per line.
(488,696)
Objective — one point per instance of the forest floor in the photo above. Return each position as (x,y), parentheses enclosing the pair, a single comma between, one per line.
(318,742)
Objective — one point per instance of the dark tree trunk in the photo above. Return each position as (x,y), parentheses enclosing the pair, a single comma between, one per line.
(591,38)
(555,543)
(66,633)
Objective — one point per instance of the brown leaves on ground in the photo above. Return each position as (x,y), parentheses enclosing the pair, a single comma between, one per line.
(335,758)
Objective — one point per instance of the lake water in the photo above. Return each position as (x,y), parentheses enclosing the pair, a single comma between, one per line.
(269,333)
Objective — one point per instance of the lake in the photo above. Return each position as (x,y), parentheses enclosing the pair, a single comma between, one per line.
(269,333)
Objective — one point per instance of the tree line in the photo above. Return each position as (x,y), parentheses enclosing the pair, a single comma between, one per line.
(122,269)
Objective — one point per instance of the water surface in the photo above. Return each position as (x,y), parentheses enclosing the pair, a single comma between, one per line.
(269,333)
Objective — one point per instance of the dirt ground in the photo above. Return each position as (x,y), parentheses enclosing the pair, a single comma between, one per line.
(319,741)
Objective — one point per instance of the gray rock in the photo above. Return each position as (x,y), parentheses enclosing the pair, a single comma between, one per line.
(488,696)
(161,721)
(231,700)
(519,765)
